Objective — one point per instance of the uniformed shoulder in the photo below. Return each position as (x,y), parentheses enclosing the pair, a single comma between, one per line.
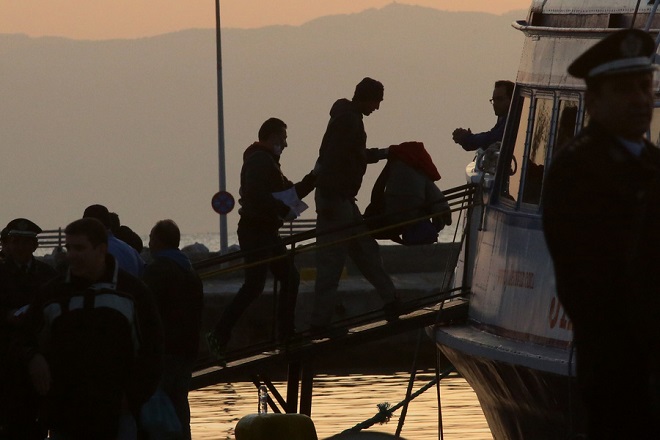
(583,143)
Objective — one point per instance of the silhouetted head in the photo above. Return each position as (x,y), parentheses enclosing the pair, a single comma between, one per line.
(19,239)
(502,94)
(618,71)
(273,134)
(368,95)
(164,235)
(86,245)
(100,213)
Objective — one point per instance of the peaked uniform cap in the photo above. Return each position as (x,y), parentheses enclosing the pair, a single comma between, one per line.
(21,227)
(623,52)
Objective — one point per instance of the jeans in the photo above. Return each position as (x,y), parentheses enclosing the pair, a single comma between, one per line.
(334,247)
(262,245)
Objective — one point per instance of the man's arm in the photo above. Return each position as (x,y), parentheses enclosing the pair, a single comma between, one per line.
(256,185)
(473,141)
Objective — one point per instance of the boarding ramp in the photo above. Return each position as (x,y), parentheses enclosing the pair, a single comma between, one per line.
(442,305)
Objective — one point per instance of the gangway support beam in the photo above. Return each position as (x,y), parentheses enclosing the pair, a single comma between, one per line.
(292,386)
(306,389)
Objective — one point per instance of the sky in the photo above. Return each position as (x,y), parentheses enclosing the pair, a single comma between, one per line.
(131,19)
(109,19)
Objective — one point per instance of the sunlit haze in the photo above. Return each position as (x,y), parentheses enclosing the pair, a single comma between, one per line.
(115,102)
(105,19)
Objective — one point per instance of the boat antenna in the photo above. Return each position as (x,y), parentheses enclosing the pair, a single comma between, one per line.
(632,23)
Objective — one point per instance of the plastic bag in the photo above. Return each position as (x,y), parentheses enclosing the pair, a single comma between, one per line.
(158,418)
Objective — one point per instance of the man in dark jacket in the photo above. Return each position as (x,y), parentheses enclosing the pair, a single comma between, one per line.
(21,276)
(179,294)
(501,101)
(93,342)
(343,159)
(262,214)
(601,222)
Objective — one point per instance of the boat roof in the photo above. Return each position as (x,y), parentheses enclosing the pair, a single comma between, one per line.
(588,6)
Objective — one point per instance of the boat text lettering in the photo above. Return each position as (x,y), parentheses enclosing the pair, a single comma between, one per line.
(558,316)
(516,278)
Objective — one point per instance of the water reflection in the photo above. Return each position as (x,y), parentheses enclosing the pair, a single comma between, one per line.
(341,402)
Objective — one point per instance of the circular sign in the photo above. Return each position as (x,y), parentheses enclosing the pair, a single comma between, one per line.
(223,202)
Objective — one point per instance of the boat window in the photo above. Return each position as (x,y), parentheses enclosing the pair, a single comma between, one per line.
(566,125)
(654,135)
(511,182)
(535,162)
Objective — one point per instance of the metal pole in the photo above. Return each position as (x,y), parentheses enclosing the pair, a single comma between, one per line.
(221,128)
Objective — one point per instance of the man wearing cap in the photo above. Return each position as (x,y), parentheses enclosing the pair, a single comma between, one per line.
(601,219)
(343,159)
(21,276)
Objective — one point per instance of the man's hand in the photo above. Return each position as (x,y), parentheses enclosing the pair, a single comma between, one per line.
(460,134)
(290,216)
(40,374)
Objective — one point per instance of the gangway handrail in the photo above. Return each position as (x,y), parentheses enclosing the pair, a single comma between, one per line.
(51,238)
(364,327)
(454,195)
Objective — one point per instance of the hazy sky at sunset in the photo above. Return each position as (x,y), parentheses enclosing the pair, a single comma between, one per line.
(103,19)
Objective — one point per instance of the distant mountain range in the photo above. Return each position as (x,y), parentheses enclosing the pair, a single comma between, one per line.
(133,123)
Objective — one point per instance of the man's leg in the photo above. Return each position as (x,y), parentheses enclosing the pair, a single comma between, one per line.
(330,256)
(365,253)
(255,280)
(286,273)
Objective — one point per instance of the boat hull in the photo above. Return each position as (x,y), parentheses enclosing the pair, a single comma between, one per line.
(523,398)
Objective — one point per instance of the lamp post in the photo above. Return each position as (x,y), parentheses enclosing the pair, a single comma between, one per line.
(221,127)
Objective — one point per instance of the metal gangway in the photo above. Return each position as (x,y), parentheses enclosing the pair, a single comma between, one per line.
(443,306)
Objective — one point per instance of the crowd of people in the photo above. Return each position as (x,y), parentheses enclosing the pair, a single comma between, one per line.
(86,345)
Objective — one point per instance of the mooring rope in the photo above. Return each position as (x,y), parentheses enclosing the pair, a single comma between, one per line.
(385,410)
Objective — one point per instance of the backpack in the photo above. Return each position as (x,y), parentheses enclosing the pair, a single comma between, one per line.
(422,232)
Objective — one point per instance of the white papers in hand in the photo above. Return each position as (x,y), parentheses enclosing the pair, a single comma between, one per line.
(290,198)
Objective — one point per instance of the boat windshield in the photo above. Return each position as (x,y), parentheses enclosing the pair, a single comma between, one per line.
(547,121)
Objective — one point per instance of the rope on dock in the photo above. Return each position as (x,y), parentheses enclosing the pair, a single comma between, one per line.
(385,410)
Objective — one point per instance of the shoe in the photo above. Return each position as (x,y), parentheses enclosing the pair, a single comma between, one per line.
(392,310)
(217,349)
(326,331)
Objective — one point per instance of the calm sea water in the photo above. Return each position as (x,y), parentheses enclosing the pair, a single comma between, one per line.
(341,402)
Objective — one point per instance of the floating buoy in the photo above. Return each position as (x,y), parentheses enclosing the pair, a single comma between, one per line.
(275,427)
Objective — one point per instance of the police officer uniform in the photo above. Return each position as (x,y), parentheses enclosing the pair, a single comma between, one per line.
(19,283)
(601,219)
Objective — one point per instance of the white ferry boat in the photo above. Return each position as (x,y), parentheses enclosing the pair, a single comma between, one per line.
(515,349)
